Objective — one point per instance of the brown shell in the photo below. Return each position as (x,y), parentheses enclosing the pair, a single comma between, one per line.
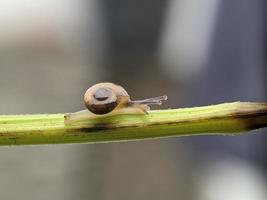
(102,98)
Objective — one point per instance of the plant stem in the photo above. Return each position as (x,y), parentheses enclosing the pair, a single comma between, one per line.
(222,119)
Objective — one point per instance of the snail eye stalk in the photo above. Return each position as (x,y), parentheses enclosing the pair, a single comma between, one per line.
(151,101)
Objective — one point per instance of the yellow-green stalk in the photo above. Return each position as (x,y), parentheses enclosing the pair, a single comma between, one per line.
(222,119)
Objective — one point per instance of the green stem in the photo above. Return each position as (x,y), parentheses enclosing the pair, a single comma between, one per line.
(222,119)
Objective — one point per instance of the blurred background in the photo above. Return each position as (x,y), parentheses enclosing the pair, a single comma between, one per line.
(196,52)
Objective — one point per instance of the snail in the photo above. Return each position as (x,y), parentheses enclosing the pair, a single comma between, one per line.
(110,99)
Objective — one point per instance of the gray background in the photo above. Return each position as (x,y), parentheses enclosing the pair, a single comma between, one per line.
(197,53)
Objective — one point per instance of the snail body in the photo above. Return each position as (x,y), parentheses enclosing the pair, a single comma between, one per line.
(110,99)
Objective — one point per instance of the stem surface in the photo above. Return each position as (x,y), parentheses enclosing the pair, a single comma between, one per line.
(222,119)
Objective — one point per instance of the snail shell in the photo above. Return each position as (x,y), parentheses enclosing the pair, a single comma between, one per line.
(102,98)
